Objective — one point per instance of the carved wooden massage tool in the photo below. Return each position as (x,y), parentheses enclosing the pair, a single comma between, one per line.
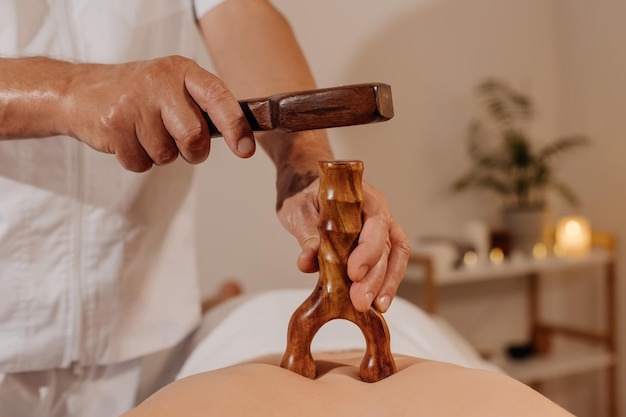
(340,198)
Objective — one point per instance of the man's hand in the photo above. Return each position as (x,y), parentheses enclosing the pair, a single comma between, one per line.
(149,112)
(144,112)
(378,263)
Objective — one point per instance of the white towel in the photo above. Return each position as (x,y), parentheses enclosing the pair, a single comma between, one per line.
(254,325)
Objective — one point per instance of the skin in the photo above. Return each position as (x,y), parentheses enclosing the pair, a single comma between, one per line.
(147,113)
(418,388)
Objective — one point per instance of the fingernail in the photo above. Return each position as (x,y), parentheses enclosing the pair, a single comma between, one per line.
(245,145)
(369,297)
(383,303)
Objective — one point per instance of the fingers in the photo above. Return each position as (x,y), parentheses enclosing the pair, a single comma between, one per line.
(299,215)
(187,132)
(365,291)
(378,263)
(157,143)
(214,98)
(132,156)
(397,261)
(307,260)
(185,123)
(178,130)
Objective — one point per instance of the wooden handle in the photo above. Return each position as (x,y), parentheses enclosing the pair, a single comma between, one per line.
(341,199)
(317,109)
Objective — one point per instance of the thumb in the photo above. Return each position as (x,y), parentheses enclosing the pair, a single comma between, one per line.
(307,260)
(299,215)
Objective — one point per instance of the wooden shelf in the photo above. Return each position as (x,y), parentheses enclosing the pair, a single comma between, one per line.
(586,350)
(506,270)
(556,364)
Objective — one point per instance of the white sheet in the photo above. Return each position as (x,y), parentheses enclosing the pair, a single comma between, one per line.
(253,325)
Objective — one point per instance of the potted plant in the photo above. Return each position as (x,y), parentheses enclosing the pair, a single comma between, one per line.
(507,161)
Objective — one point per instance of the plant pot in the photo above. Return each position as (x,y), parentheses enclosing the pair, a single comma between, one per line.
(527,228)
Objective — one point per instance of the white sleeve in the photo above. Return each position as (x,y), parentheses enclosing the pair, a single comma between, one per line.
(203,6)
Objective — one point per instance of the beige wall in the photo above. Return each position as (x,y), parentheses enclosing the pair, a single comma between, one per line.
(593,90)
(433,52)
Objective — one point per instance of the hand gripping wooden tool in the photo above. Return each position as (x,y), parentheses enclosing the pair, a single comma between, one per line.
(340,198)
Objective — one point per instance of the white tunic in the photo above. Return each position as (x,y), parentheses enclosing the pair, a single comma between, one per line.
(97,263)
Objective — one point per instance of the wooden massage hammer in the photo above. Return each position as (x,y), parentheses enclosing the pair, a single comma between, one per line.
(317,109)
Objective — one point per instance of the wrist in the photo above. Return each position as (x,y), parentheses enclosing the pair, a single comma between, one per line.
(291,181)
(73,89)
(297,157)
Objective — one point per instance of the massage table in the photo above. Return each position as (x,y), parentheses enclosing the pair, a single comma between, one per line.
(255,324)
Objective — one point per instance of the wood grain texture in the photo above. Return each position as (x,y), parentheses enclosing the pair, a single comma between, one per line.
(341,199)
(317,109)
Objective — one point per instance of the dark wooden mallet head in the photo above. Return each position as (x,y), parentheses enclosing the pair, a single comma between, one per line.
(317,109)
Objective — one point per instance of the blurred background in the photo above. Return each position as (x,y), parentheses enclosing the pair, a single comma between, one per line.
(567,55)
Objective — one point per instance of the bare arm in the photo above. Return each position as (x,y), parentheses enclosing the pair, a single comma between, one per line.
(256,54)
(143,112)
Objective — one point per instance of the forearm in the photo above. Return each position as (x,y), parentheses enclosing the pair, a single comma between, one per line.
(256,54)
(32,92)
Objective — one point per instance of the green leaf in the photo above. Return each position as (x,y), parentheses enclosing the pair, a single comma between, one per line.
(566,192)
(562,145)
(518,149)
(506,105)
(505,160)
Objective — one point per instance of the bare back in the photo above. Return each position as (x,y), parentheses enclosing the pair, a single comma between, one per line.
(419,388)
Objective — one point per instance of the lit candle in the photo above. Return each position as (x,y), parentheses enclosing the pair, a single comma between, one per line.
(496,256)
(540,251)
(470,259)
(573,236)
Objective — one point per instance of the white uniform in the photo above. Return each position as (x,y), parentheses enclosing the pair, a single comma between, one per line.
(97,264)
